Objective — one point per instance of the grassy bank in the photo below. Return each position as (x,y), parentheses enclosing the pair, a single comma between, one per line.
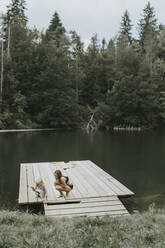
(26,230)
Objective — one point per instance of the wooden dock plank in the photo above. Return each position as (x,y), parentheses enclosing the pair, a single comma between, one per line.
(85,210)
(85,187)
(44,175)
(112,213)
(23,185)
(76,184)
(31,183)
(51,178)
(124,189)
(87,199)
(97,199)
(82,205)
(99,185)
(92,215)
(89,180)
(36,171)
(116,190)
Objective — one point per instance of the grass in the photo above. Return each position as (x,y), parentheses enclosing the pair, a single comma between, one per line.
(25,230)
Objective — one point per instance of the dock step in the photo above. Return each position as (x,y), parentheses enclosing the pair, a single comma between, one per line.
(87,207)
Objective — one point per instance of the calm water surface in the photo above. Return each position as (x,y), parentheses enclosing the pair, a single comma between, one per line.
(137,159)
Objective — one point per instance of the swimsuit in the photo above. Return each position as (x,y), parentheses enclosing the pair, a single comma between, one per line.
(67,179)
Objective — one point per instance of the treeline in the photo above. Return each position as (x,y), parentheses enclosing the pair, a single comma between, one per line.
(49,80)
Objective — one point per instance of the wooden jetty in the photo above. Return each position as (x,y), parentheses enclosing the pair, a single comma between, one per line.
(95,192)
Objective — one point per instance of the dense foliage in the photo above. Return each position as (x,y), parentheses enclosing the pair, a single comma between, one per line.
(50,80)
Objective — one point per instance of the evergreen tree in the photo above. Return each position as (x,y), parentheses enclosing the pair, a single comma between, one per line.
(55,32)
(55,22)
(103,45)
(107,69)
(148,24)
(126,26)
(122,45)
(161,45)
(91,88)
(148,34)
(16,11)
(77,64)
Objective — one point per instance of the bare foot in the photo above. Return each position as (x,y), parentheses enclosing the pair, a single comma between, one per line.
(67,196)
(61,195)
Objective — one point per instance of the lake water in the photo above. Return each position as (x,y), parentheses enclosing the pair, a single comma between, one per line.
(137,159)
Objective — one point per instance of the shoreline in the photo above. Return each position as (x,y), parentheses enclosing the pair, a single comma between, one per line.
(26,130)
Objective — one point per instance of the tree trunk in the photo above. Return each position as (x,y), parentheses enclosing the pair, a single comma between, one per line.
(2,68)
(8,45)
(91,125)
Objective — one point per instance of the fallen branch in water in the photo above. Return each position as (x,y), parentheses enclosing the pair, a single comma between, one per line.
(91,125)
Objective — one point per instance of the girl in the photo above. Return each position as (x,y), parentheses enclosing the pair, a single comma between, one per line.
(40,189)
(62,183)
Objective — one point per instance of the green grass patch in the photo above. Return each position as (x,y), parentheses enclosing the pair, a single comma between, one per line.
(21,230)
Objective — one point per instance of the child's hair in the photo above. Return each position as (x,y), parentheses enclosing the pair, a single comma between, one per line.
(40,182)
(59,174)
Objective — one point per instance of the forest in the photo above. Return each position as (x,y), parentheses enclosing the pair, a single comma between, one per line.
(50,80)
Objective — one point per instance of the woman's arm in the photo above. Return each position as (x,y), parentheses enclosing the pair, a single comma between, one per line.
(56,182)
(63,182)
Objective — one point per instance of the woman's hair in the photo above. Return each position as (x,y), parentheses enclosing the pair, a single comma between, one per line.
(59,174)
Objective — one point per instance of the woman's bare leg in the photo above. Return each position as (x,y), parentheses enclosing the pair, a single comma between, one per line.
(60,190)
(68,189)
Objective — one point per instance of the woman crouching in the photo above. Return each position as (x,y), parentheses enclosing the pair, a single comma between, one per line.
(62,184)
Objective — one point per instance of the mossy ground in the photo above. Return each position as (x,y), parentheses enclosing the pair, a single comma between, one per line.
(21,230)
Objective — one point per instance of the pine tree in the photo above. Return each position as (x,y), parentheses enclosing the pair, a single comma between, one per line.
(126,26)
(91,89)
(16,11)
(103,45)
(55,22)
(122,43)
(107,68)
(15,15)
(56,32)
(148,24)
(77,65)
(161,45)
(148,35)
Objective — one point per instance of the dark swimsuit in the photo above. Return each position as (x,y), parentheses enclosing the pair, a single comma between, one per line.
(67,179)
